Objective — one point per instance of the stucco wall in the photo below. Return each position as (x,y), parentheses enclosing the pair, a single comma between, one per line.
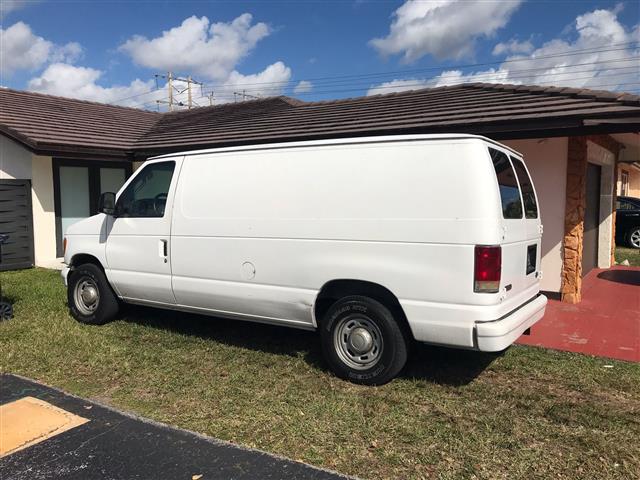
(546,159)
(15,160)
(44,219)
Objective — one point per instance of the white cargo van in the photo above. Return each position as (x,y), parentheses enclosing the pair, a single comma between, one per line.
(374,242)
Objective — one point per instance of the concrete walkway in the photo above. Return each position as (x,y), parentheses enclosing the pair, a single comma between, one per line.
(48,434)
(605,324)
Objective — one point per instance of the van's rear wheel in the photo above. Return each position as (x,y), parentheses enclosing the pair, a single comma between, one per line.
(90,297)
(362,342)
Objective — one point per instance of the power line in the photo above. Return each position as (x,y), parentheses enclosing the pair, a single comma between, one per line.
(449,67)
(421,85)
(519,74)
(338,78)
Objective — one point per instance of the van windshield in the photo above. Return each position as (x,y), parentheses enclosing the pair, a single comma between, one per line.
(509,191)
(528,195)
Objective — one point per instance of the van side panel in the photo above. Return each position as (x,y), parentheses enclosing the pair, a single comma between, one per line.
(435,192)
(259,233)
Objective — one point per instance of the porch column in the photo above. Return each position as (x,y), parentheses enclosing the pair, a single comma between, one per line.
(574,220)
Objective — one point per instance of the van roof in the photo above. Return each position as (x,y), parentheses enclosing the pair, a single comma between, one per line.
(342,141)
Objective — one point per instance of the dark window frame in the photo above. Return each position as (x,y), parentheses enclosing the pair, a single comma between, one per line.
(93,168)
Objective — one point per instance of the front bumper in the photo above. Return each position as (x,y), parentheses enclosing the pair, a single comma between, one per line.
(496,335)
(65,274)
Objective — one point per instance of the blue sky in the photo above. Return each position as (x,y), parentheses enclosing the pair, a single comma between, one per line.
(110,50)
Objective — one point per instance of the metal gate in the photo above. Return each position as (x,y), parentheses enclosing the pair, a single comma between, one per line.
(16,220)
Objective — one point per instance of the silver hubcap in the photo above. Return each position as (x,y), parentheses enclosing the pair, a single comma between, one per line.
(635,238)
(358,342)
(86,296)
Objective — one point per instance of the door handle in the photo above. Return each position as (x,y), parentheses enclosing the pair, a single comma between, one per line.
(163,249)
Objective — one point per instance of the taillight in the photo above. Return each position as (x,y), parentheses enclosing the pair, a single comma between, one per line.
(488,266)
(64,246)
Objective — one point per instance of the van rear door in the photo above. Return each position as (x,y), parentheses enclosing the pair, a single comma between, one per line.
(521,231)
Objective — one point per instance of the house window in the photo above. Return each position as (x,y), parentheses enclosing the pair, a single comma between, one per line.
(624,183)
(77,186)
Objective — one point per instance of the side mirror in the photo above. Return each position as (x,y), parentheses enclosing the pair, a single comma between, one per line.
(107,203)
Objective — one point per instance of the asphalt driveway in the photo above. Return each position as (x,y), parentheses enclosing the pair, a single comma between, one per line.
(107,444)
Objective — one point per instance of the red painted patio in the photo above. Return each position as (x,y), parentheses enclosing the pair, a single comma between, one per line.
(606,323)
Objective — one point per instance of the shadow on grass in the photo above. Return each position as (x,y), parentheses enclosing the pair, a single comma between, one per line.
(439,365)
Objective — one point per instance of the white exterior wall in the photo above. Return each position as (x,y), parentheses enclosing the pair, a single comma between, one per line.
(15,160)
(546,159)
(44,217)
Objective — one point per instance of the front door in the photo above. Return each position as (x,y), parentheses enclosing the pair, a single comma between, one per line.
(77,185)
(138,235)
(591,219)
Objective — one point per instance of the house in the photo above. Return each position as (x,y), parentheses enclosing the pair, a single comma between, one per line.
(57,155)
(628,176)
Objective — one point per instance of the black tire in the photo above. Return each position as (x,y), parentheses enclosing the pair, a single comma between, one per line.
(106,306)
(632,237)
(353,312)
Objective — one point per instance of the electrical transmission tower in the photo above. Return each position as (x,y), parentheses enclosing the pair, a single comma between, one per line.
(244,95)
(172,89)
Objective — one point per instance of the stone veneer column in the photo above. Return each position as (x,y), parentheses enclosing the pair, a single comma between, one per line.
(574,220)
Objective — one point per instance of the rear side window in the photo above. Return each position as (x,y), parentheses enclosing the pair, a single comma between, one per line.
(528,195)
(509,191)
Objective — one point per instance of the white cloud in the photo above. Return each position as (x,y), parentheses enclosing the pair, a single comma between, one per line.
(303,86)
(21,49)
(271,81)
(513,46)
(198,47)
(8,6)
(210,51)
(80,82)
(587,66)
(449,77)
(442,28)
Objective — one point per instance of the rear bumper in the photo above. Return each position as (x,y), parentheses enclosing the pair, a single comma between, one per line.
(496,335)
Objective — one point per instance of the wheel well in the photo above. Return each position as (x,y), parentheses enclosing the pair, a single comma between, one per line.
(334,290)
(82,258)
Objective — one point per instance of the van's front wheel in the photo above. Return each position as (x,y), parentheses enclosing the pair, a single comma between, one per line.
(362,342)
(90,297)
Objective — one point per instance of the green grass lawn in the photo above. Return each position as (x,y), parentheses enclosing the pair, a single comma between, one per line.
(528,413)
(631,254)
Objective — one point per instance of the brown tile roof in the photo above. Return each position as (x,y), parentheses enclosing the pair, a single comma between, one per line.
(497,110)
(50,123)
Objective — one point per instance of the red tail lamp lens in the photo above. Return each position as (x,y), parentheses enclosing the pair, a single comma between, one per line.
(488,267)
